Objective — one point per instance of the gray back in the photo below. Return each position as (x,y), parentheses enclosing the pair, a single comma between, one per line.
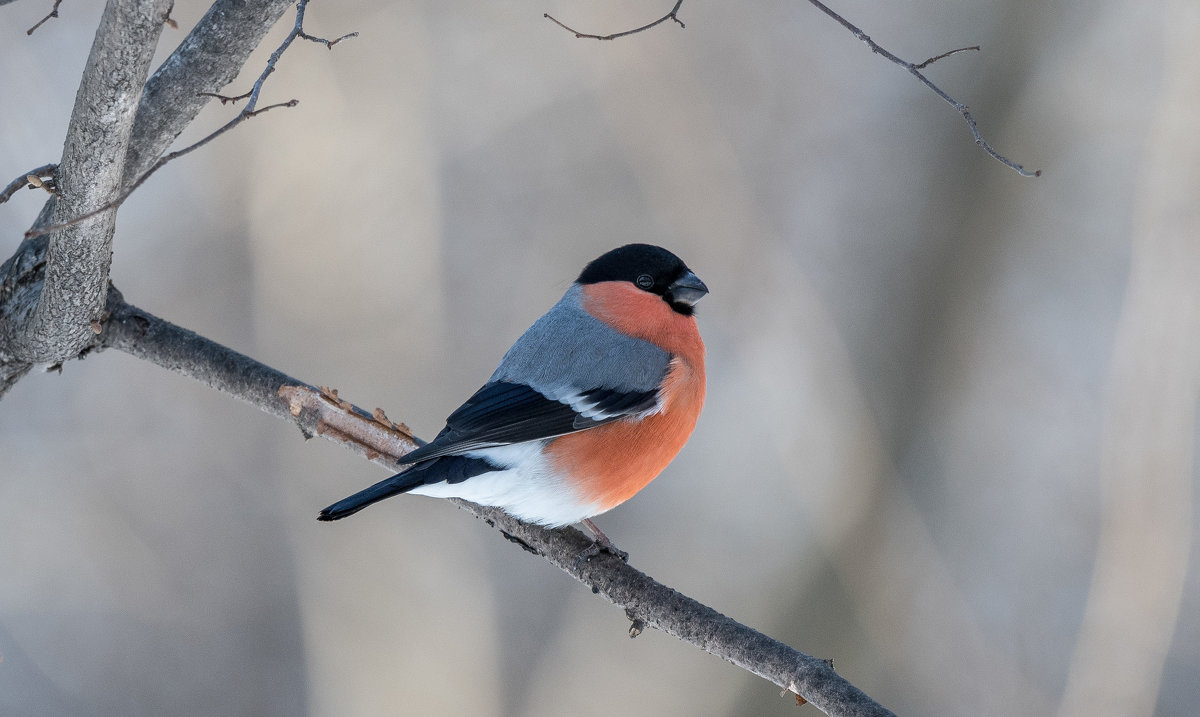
(568,350)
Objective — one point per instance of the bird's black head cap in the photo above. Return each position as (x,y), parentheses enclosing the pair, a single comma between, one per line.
(652,269)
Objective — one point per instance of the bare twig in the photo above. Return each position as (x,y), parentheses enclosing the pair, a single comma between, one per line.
(321,412)
(44,172)
(935,58)
(260,110)
(913,68)
(297,32)
(327,43)
(242,116)
(210,57)
(250,110)
(673,15)
(53,13)
(915,71)
(225,98)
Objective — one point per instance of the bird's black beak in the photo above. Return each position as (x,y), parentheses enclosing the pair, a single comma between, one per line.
(686,290)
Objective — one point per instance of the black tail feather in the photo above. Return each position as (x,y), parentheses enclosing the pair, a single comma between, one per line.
(452,469)
(399,483)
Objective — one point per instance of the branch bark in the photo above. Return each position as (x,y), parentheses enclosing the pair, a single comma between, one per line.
(250,110)
(208,59)
(77,258)
(646,602)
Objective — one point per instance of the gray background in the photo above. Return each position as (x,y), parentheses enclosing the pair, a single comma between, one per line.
(950,428)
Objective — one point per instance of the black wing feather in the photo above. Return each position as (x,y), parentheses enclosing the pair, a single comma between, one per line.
(502,413)
(609,401)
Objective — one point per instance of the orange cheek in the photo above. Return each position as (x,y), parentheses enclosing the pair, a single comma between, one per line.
(646,316)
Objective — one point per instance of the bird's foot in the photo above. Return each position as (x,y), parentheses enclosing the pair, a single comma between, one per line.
(600,544)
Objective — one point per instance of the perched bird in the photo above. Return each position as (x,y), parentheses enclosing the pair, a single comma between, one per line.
(585,409)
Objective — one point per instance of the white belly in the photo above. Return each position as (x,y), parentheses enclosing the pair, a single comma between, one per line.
(530,491)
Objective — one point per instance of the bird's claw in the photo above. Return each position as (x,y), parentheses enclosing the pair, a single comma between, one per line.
(598,547)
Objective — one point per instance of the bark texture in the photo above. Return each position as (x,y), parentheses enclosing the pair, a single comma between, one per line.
(121,125)
(90,173)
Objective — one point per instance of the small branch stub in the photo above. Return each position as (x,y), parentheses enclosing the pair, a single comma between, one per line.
(341,421)
(40,178)
(327,43)
(935,58)
(636,624)
(53,13)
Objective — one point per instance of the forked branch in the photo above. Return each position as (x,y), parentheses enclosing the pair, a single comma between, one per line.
(915,71)
(250,110)
(913,68)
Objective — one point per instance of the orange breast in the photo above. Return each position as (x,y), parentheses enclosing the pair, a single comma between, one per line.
(609,464)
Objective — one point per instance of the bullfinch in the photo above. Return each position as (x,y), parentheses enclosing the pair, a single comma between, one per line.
(585,409)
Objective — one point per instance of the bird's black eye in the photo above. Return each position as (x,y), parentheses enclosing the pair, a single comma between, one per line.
(645,281)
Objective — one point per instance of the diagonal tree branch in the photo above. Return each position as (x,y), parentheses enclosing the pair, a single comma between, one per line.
(915,71)
(646,602)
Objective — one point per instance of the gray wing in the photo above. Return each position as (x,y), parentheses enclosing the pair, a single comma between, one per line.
(567,373)
(568,352)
